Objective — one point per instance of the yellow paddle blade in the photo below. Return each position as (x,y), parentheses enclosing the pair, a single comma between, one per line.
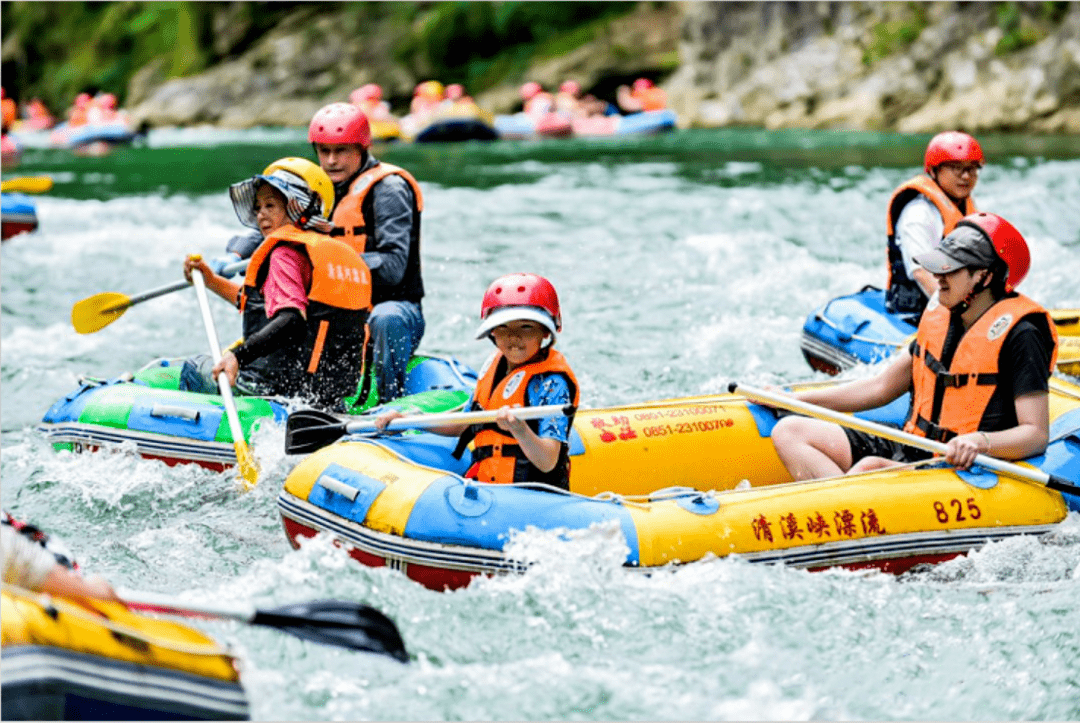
(1068,359)
(98,311)
(1067,321)
(249,469)
(29,184)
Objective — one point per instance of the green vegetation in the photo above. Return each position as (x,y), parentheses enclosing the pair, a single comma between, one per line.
(893,36)
(55,50)
(1018,29)
(481,44)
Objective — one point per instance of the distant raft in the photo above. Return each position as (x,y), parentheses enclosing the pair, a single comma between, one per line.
(96,660)
(459,122)
(18,214)
(147,410)
(557,125)
(112,133)
(665,475)
(858,329)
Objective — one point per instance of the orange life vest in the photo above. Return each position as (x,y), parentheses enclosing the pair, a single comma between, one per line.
(354,223)
(652,98)
(904,295)
(953,400)
(329,363)
(496,454)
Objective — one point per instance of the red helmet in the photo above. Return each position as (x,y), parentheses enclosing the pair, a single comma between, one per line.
(572,87)
(530,90)
(370,91)
(642,84)
(340,123)
(82,100)
(107,101)
(517,297)
(1008,244)
(951,146)
(455,91)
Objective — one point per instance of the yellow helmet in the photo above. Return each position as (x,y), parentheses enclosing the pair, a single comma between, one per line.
(315,177)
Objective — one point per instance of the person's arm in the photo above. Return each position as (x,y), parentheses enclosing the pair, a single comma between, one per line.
(285,296)
(219,285)
(1025,359)
(919,230)
(393,209)
(31,566)
(446,430)
(1029,437)
(543,452)
(543,448)
(861,394)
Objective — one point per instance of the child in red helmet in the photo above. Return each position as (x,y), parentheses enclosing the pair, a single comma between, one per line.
(520,314)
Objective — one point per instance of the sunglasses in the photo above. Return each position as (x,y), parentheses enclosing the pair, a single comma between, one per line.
(961,168)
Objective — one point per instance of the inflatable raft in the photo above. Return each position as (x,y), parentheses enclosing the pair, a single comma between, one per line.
(118,132)
(460,122)
(67,660)
(857,329)
(18,214)
(148,410)
(665,475)
(523,126)
(555,125)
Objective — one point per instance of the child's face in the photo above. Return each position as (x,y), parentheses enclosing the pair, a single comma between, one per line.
(519,341)
(270,209)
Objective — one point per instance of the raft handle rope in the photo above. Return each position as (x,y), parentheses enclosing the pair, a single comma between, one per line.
(854,337)
(52,605)
(454,366)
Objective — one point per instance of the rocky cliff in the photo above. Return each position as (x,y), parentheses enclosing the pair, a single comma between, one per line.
(910,67)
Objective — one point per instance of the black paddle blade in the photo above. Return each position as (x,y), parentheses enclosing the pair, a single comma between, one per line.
(337,622)
(309,430)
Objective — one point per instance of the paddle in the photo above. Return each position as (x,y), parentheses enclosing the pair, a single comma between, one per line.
(331,622)
(1028,474)
(27,184)
(98,311)
(248,469)
(308,430)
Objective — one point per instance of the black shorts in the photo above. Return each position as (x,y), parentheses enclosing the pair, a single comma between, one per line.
(864,444)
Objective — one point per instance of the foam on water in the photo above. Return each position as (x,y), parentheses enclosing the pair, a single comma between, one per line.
(679,267)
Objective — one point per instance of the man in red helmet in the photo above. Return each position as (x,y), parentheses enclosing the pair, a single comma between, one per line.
(922,210)
(520,314)
(377,212)
(978,368)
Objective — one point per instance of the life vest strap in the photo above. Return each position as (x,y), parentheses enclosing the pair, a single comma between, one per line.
(341,231)
(947,379)
(507,450)
(933,431)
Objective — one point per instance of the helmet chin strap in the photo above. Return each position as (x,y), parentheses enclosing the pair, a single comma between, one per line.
(979,287)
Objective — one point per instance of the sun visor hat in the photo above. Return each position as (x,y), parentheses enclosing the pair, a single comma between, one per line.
(515,313)
(965,246)
(298,199)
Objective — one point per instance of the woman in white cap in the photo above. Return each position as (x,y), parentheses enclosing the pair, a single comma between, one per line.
(978,370)
(305,298)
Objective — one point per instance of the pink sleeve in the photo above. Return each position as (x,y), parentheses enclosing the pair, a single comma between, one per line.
(287,281)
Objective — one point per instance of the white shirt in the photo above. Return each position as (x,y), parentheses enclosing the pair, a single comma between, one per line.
(919,229)
(26,563)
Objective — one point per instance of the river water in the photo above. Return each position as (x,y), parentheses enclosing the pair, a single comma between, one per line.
(682,262)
